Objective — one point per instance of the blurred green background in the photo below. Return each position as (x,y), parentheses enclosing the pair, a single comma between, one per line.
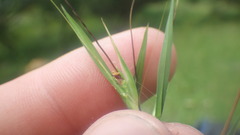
(207,38)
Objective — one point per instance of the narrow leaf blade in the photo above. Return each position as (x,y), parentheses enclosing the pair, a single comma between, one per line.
(141,60)
(164,64)
(87,43)
(128,82)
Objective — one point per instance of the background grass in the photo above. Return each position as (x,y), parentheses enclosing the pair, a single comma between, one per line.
(208,71)
(206,35)
(207,76)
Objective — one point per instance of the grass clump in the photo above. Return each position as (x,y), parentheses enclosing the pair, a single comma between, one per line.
(128,85)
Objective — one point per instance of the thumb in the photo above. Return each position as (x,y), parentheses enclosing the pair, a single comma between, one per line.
(130,122)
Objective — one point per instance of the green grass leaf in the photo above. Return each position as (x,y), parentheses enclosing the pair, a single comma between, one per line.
(141,61)
(164,64)
(126,85)
(87,43)
(128,81)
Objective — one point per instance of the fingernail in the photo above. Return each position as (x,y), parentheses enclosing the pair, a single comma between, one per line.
(127,122)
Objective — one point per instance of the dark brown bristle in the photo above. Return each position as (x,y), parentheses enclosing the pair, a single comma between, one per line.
(91,34)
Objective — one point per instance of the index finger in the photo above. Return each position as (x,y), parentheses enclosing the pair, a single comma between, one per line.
(68,94)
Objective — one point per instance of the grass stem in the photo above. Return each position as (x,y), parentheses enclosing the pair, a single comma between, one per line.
(130,26)
(227,123)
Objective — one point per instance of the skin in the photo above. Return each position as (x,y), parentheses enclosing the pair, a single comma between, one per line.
(69,94)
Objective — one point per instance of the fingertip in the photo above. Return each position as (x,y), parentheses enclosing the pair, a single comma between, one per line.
(130,122)
(127,122)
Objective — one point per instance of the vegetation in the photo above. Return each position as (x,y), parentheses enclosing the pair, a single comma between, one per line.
(206,37)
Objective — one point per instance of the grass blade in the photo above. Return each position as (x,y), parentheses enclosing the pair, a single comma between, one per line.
(141,61)
(87,43)
(90,33)
(163,15)
(164,64)
(128,82)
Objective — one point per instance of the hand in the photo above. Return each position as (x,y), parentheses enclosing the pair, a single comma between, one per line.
(67,95)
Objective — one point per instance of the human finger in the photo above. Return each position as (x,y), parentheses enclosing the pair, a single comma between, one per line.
(130,122)
(68,94)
